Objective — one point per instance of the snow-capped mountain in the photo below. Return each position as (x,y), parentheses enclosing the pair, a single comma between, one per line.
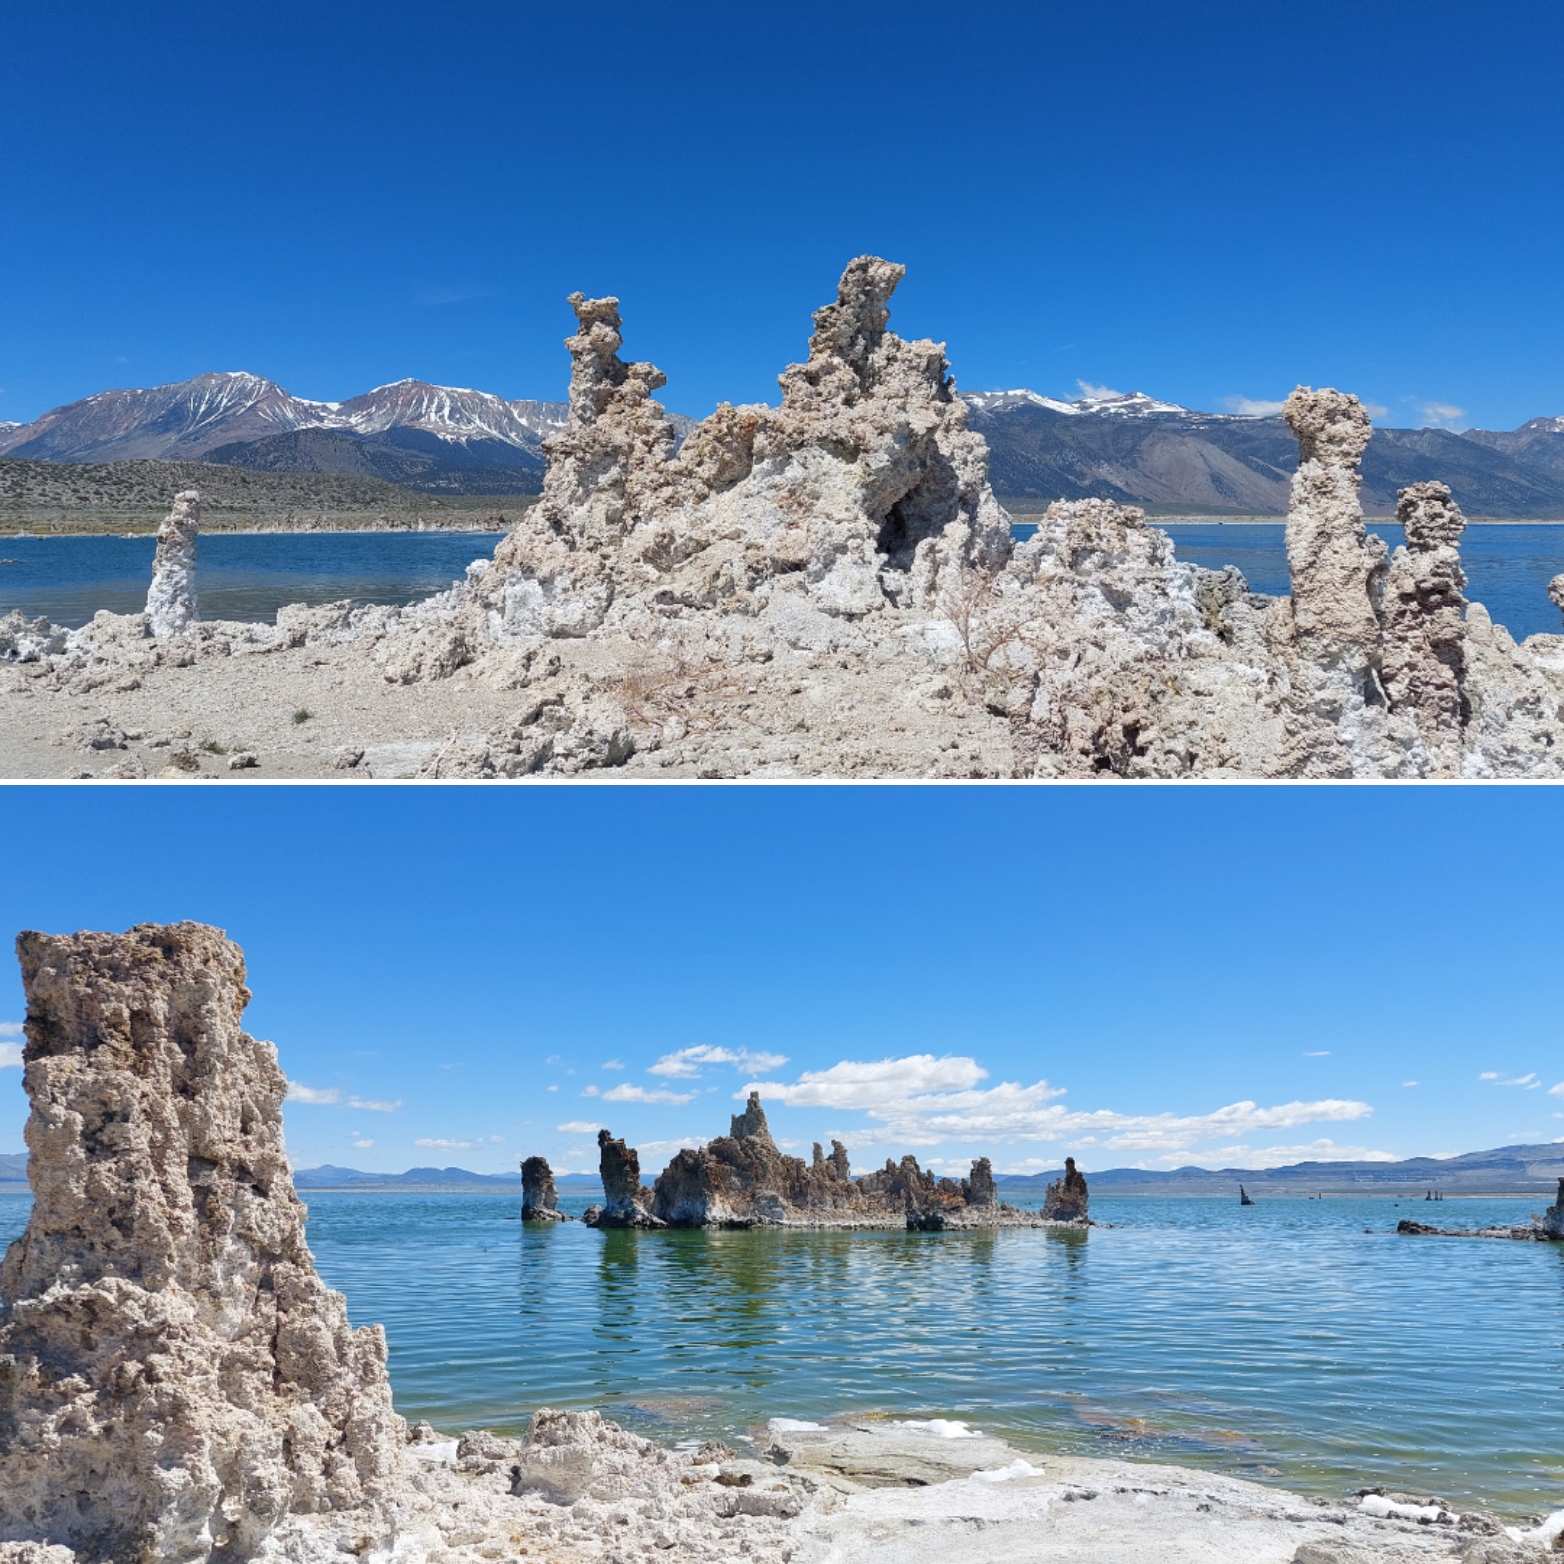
(192,417)
(1113,404)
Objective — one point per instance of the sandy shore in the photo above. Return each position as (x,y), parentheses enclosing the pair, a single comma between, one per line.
(883,1492)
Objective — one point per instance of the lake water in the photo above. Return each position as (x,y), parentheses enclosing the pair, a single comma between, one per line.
(250,576)
(1280,1342)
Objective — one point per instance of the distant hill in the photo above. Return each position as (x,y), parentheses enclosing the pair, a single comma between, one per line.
(13,1168)
(1505,1170)
(1139,451)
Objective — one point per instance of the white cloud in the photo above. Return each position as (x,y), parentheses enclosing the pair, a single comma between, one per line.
(362,1144)
(1441,415)
(10,1028)
(10,1054)
(687,1061)
(667,1148)
(1529,1080)
(1281,1156)
(299,1092)
(1556,1091)
(1249,407)
(495,1139)
(445,1145)
(1316,1053)
(922,1101)
(578,1127)
(874,1084)
(1375,410)
(374,1107)
(1096,393)
(628,1093)
(551,1088)
(613,1064)
(1409,1083)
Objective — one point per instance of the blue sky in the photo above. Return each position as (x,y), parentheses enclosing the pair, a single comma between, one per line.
(1150,976)
(1207,201)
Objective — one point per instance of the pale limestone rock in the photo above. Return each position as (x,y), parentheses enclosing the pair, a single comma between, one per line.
(175,1380)
(171,599)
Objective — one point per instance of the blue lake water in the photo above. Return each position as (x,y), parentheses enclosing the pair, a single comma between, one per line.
(1280,1342)
(245,576)
(250,576)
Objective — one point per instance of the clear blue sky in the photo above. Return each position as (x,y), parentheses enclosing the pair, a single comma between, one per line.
(490,965)
(1204,200)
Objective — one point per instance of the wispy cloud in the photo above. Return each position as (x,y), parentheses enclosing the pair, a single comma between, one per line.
(629,1093)
(1441,415)
(329,1096)
(1316,1053)
(324,1097)
(922,1100)
(363,1144)
(667,1148)
(578,1127)
(433,295)
(1376,410)
(10,1055)
(1528,1081)
(613,1064)
(1251,407)
(444,1145)
(1096,393)
(687,1061)
(11,1028)
(1409,1083)
(1281,1156)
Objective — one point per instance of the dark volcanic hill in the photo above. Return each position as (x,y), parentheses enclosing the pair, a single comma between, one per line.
(1140,451)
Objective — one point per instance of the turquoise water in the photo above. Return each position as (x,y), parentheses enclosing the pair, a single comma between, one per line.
(250,577)
(238,576)
(1279,1342)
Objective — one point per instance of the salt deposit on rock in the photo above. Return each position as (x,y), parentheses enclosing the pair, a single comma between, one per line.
(176,1383)
(828,587)
(171,599)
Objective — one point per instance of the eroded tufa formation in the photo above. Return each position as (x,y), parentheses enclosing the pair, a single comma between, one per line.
(1065,1199)
(176,1382)
(539,1198)
(171,599)
(741,1179)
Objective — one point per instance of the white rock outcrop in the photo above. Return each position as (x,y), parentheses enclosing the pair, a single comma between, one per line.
(829,587)
(171,599)
(176,1382)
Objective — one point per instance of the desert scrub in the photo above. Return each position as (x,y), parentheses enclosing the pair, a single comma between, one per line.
(212,747)
(303,714)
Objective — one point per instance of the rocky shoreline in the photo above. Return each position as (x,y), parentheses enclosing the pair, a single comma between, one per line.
(830,588)
(177,1386)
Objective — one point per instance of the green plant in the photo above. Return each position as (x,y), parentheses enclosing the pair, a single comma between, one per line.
(212,747)
(303,714)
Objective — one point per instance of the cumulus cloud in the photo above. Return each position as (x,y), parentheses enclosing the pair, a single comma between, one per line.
(628,1093)
(1441,415)
(666,1148)
(922,1100)
(363,1144)
(687,1061)
(444,1145)
(1096,393)
(299,1092)
(10,1028)
(578,1127)
(10,1054)
(1528,1081)
(1282,1156)
(1250,407)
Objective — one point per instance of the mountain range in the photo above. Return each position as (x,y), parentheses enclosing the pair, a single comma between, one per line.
(1131,448)
(1505,1170)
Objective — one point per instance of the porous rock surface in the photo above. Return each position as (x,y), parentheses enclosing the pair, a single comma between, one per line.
(742,1179)
(176,1382)
(539,1198)
(828,587)
(1066,1199)
(171,599)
